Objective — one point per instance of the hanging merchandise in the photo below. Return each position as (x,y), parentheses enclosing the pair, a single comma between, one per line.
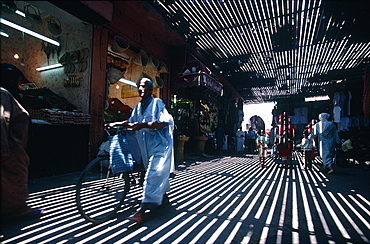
(120,44)
(32,15)
(141,58)
(75,61)
(153,62)
(22,60)
(163,68)
(54,26)
(113,75)
(159,81)
(284,124)
(50,49)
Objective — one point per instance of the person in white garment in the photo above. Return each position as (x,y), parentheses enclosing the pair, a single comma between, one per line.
(328,138)
(240,138)
(306,146)
(154,130)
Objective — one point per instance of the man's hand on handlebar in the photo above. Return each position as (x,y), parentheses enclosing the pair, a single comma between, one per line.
(115,124)
(136,125)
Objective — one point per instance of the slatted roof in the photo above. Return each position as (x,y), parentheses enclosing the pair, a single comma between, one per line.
(276,48)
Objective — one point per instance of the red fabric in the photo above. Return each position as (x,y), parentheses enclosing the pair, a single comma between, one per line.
(285,150)
(313,154)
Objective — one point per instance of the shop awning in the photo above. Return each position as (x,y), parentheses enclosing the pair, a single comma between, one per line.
(195,73)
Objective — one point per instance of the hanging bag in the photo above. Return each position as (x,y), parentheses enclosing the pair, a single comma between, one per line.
(32,15)
(120,156)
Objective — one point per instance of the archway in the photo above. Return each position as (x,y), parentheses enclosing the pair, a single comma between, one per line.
(262,110)
(257,123)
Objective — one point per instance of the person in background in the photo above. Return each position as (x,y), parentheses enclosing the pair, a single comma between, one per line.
(351,149)
(14,158)
(328,137)
(306,146)
(239,140)
(154,129)
(285,145)
(251,140)
(220,137)
(261,143)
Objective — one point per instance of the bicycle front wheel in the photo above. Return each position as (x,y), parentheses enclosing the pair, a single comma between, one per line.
(99,192)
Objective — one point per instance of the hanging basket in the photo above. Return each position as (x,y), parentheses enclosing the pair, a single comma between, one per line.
(141,58)
(153,62)
(54,26)
(163,68)
(32,15)
(120,45)
(113,75)
(159,81)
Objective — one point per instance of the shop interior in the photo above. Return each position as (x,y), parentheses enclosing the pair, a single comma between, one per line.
(125,65)
(35,39)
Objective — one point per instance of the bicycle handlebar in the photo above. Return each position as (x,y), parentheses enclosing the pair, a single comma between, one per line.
(120,128)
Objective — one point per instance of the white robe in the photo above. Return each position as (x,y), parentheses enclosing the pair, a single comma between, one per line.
(156,146)
(327,134)
(239,140)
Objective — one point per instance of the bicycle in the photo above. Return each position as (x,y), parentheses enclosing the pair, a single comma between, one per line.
(100,193)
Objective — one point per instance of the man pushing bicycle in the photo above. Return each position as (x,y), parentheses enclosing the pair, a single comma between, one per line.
(154,130)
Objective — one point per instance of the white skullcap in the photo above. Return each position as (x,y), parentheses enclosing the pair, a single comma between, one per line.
(324,116)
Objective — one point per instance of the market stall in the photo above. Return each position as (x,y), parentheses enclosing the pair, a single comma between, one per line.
(195,106)
(53,50)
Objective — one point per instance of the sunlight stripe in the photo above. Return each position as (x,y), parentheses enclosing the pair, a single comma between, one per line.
(360,205)
(247,237)
(49,232)
(174,229)
(203,231)
(355,212)
(350,220)
(162,227)
(363,199)
(131,235)
(282,212)
(267,195)
(306,206)
(189,230)
(233,232)
(265,229)
(218,232)
(334,216)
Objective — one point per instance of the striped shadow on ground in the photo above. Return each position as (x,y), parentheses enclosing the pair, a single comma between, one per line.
(222,200)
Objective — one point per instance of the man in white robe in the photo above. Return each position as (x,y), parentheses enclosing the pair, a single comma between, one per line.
(328,137)
(154,130)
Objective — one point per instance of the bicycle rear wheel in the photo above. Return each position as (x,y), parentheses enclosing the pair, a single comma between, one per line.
(99,192)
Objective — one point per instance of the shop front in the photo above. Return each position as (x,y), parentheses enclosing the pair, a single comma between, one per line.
(196,105)
(53,50)
(101,49)
(146,49)
(344,102)
(84,75)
